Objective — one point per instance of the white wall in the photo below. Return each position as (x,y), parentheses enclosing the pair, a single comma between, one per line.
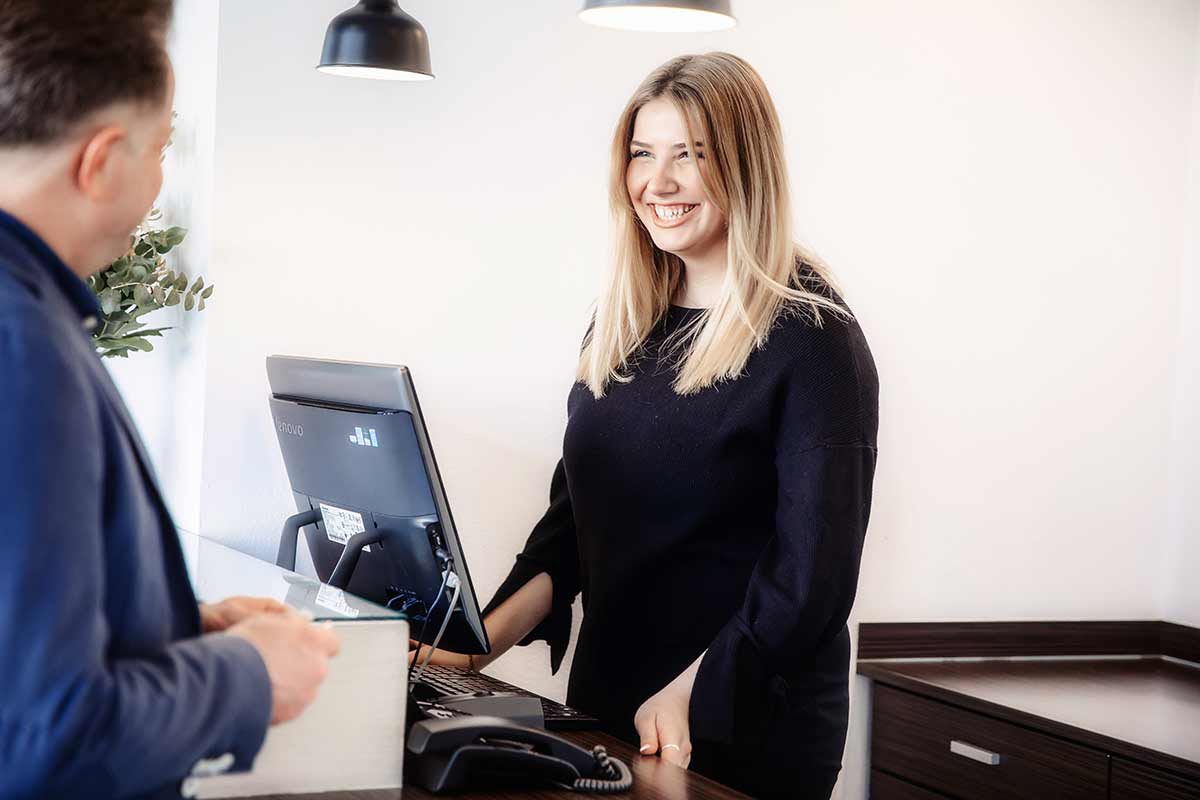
(1000,187)
(165,388)
(1183,552)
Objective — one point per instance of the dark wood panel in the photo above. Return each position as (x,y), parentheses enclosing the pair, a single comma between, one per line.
(889,787)
(911,736)
(999,639)
(653,779)
(1132,781)
(1180,641)
(1146,710)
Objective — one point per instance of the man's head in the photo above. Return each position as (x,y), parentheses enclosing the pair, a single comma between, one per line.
(86,91)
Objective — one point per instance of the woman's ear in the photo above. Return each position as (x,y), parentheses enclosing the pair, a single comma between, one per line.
(96,174)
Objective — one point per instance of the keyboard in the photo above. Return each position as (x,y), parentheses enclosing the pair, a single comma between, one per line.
(447,681)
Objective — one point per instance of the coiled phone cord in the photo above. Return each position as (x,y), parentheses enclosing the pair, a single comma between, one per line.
(616,777)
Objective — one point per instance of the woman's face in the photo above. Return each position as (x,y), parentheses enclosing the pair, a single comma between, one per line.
(665,187)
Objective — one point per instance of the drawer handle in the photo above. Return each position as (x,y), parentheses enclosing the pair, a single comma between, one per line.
(974,753)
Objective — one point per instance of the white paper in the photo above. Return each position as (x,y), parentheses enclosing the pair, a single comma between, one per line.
(341,524)
(335,600)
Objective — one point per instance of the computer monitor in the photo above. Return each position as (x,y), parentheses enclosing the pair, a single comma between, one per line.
(358,456)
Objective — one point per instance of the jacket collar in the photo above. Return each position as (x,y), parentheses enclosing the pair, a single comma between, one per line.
(33,263)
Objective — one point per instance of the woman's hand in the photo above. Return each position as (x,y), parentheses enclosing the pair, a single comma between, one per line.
(662,725)
(216,617)
(662,721)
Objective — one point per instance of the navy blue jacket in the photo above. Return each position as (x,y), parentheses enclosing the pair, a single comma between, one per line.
(107,688)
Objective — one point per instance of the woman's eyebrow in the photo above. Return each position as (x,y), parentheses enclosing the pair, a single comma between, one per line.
(636,143)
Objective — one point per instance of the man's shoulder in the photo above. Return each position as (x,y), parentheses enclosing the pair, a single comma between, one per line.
(31,337)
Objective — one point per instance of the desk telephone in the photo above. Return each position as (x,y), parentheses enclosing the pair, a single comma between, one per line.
(448,755)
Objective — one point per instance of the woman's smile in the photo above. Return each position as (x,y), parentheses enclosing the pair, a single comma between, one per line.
(671,216)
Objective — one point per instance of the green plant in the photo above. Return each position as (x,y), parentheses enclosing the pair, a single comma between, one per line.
(138,283)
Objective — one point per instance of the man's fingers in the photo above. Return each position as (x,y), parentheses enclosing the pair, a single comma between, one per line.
(648,733)
(324,637)
(270,605)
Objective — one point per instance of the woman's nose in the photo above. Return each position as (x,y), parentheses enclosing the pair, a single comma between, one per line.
(662,181)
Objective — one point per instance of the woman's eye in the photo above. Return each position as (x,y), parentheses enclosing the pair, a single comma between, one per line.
(640,153)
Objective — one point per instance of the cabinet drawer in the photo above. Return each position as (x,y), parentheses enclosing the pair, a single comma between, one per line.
(913,737)
(887,787)
(1132,781)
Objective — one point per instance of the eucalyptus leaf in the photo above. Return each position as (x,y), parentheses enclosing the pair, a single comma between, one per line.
(199,284)
(189,302)
(207,293)
(139,343)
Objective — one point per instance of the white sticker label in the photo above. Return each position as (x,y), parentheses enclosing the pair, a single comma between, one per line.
(341,524)
(335,600)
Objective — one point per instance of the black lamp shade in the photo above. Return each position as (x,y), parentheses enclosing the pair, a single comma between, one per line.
(375,39)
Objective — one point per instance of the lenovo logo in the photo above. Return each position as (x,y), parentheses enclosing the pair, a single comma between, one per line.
(290,429)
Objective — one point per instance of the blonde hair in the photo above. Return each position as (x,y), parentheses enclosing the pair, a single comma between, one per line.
(725,104)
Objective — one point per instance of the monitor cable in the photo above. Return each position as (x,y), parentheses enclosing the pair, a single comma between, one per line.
(445,623)
(448,577)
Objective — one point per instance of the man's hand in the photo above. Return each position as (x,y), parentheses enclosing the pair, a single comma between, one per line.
(296,652)
(216,617)
(662,721)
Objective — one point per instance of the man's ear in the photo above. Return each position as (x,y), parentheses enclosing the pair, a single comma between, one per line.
(94,176)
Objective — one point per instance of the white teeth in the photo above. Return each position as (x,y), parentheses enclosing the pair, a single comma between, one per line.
(672,212)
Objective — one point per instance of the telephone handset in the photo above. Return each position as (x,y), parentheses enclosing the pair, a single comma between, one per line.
(447,755)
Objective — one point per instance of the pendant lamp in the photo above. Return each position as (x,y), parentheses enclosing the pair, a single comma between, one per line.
(672,16)
(375,39)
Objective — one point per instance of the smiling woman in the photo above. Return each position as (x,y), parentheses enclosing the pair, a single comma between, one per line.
(711,507)
(715,535)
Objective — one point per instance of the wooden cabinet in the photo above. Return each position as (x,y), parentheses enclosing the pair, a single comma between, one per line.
(964,754)
(1133,781)
(1108,710)
(1032,730)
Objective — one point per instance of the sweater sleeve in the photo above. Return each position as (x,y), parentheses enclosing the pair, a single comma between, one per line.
(791,620)
(551,548)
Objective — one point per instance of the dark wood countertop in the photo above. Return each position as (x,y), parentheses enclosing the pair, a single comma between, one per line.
(1146,709)
(653,779)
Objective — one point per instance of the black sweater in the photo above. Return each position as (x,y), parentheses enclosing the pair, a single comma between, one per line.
(730,521)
